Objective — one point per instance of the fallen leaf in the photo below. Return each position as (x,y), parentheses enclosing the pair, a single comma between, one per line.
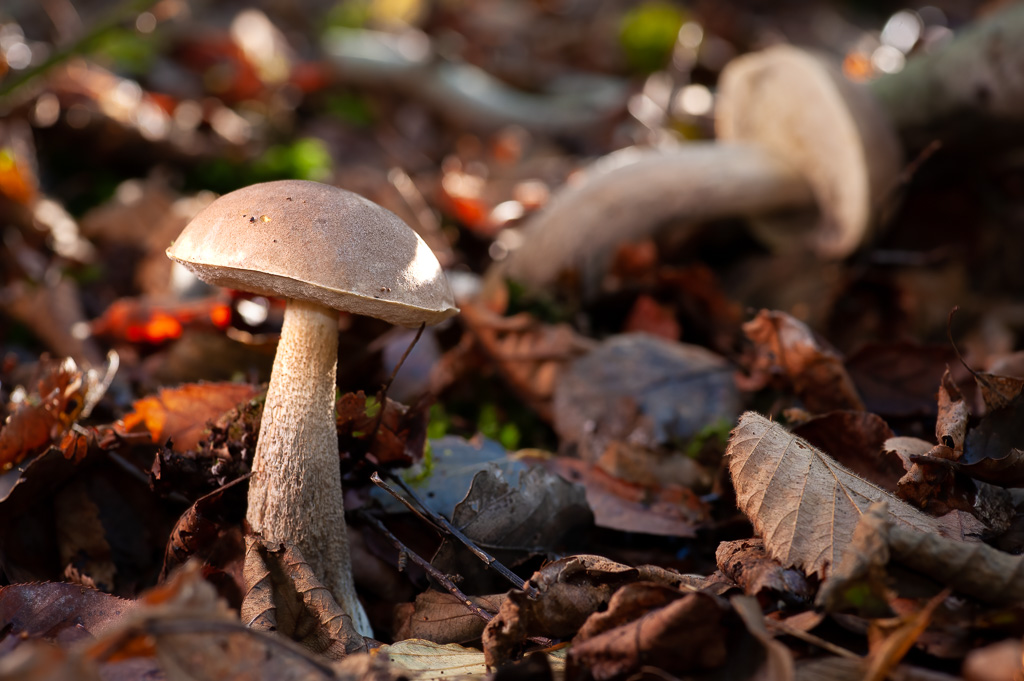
(441,617)
(651,317)
(211,531)
(179,631)
(938,484)
(787,347)
(778,664)
(568,592)
(994,449)
(529,355)
(998,391)
(58,612)
(453,464)
(286,597)
(423,660)
(745,562)
(515,518)
(628,604)
(973,569)
(644,390)
(666,510)
(684,637)
(62,393)
(393,438)
(899,379)
(855,439)
(135,320)
(804,504)
(181,414)
(891,640)
(951,424)
(859,583)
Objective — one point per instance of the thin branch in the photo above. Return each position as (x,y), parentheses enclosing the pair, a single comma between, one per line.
(441,578)
(443,525)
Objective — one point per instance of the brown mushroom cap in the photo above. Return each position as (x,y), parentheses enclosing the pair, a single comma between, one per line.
(803,110)
(311,241)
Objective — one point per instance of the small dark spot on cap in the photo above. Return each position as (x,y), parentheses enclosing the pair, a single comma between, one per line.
(252,219)
(287,198)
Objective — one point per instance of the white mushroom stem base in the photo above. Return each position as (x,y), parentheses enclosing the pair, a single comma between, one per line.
(295,490)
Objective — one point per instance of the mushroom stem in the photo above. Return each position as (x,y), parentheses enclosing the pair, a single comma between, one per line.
(295,491)
(976,74)
(631,193)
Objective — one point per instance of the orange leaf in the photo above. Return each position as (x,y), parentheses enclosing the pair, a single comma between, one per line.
(43,417)
(182,413)
(649,316)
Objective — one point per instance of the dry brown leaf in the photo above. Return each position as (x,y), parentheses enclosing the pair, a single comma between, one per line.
(804,504)
(570,590)
(899,379)
(629,603)
(528,354)
(745,562)
(649,316)
(179,630)
(211,530)
(855,439)
(859,582)
(977,570)
(788,347)
(62,393)
(778,664)
(443,618)
(81,538)
(182,413)
(667,510)
(951,425)
(892,639)
(285,596)
(688,635)
(998,391)
(58,612)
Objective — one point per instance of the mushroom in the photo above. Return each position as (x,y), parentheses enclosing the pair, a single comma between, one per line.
(793,133)
(324,249)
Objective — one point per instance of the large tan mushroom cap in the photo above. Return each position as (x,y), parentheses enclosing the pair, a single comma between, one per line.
(800,108)
(311,241)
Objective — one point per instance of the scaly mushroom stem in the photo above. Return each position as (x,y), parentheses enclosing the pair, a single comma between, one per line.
(295,491)
(631,193)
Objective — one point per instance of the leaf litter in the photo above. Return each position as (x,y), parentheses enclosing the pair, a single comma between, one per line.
(625,446)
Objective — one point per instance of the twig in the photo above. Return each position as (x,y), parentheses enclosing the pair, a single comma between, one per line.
(807,637)
(382,394)
(443,525)
(441,578)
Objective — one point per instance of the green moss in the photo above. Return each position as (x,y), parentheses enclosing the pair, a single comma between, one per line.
(647,35)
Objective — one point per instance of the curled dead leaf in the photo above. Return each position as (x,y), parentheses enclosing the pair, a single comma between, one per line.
(787,347)
(805,505)
(285,596)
